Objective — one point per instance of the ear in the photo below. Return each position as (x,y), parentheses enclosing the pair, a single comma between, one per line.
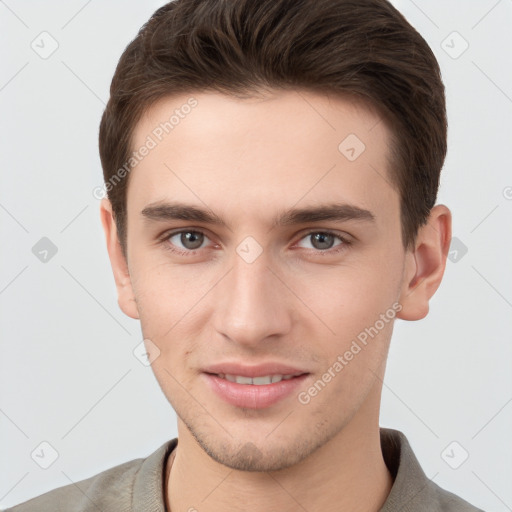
(125,295)
(424,266)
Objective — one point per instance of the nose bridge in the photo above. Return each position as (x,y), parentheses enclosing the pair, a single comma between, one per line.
(251,305)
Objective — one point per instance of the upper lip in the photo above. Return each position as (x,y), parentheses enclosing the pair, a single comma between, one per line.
(259,370)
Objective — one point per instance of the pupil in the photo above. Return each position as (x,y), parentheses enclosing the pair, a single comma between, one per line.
(321,237)
(192,237)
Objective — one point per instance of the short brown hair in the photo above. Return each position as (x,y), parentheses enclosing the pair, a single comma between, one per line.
(364,48)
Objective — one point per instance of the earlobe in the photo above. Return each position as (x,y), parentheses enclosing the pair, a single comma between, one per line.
(125,294)
(425,265)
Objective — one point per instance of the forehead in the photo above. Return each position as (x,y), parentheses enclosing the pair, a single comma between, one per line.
(261,154)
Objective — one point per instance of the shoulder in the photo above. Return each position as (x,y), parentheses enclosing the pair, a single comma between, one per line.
(112,489)
(89,494)
(411,489)
(449,502)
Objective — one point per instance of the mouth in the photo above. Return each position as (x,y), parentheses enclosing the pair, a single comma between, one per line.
(256,392)
(257,381)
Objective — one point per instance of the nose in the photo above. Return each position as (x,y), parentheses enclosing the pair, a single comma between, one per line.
(252,303)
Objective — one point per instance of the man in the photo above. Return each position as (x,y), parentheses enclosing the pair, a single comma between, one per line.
(272,169)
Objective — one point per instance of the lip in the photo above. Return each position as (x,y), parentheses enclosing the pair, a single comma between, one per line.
(253,396)
(260,370)
(250,395)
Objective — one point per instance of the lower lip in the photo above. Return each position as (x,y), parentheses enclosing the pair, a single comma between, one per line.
(252,396)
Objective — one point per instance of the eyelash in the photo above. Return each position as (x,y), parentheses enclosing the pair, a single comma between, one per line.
(335,250)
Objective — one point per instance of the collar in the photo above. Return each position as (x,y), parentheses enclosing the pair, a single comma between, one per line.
(412,491)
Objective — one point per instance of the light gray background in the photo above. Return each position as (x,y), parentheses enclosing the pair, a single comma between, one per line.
(67,372)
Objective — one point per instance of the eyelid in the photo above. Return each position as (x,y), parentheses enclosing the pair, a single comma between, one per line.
(341,235)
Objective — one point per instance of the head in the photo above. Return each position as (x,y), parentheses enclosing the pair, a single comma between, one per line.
(231,132)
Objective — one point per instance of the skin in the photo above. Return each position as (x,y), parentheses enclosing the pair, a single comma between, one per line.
(298,303)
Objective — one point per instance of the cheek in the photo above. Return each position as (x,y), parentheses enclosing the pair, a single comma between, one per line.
(339,301)
(167,296)
(350,298)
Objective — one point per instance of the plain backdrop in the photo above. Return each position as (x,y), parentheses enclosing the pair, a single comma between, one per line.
(68,374)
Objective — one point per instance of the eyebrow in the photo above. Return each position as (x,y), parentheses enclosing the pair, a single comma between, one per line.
(167,211)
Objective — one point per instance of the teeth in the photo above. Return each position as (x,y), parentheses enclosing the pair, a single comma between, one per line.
(257,381)
(242,380)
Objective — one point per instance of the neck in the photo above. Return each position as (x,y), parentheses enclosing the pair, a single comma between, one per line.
(347,472)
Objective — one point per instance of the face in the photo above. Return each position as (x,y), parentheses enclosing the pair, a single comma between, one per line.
(304,258)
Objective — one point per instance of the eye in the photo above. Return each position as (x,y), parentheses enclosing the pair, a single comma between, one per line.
(323,241)
(187,242)
(184,242)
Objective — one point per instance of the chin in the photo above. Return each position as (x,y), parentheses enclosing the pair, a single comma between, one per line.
(262,455)
(250,458)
